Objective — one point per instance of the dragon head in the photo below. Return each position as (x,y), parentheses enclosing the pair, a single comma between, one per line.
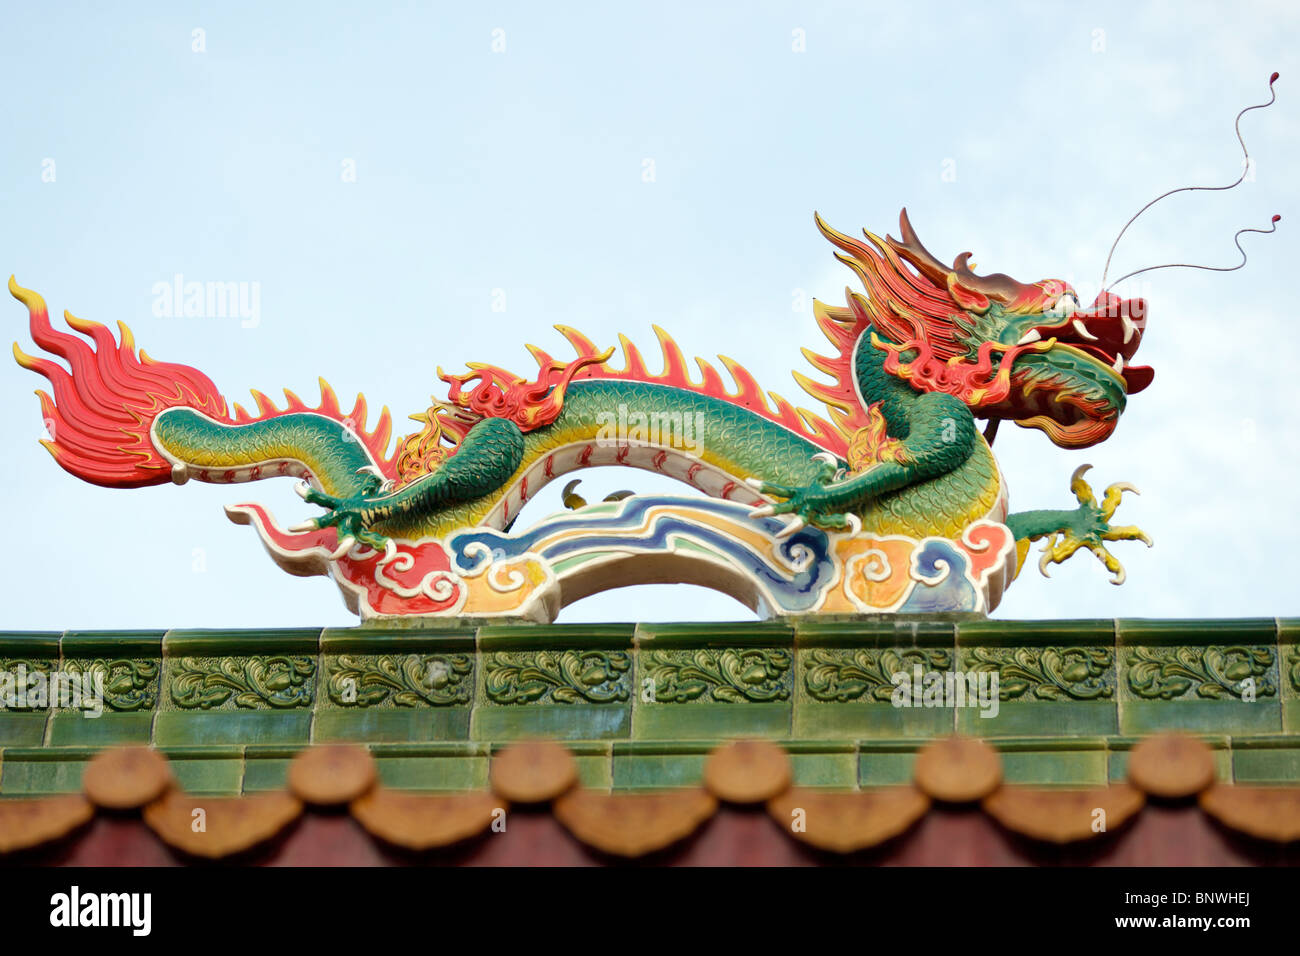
(1028,352)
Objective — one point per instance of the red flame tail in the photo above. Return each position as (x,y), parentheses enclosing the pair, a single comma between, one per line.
(100,414)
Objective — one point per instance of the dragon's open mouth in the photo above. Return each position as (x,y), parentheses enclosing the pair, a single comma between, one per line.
(1108,333)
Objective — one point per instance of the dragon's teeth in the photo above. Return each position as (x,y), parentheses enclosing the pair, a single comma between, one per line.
(1129,328)
(1083,330)
(1119,364)
(1033,335)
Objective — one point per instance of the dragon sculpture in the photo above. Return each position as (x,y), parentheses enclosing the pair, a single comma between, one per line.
(891,501)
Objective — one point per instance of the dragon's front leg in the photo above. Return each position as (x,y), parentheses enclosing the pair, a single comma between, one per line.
(1087,526)
(487,457)
(940,436)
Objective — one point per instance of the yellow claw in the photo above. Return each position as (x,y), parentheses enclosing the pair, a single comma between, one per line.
(1046,559)
(1128,532)
(1110,499)
(1054,553)
(1062,544)
(1112,563)
(1082,490)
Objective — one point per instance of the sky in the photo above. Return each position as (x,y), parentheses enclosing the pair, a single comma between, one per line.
(408,186)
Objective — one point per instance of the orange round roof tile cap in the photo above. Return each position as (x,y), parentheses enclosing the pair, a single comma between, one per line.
(332,775)
(958,770)
(1063,816)
(214,827)
(28,823)
(533,771)
(1265,813)
(747,771)
(1171,766)
(125,778)
(424,821)
(634,824)
(845,822)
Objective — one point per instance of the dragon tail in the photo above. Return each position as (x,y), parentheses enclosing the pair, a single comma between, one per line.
(125,421)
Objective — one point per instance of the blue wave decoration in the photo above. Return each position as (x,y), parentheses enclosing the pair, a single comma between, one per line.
(943,563)
(790,590)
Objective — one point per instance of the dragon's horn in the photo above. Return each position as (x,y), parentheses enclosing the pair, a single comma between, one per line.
(912,250)
(998,286)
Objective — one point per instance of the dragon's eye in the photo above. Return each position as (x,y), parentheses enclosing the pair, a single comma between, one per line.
(1065,305)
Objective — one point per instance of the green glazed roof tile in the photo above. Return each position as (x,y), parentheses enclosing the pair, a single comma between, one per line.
(425,748)
(875,633)
(1213,741)
(1046,744)
(1149,632)
(112,643)
(714,634)
(30,644)
(820,747)
(526,637)
(220,643)
(407,640)
(1033,633)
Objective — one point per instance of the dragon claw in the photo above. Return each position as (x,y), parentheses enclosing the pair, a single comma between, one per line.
(374,540)
(350,515)
(310,495)
(813,504)
(1111,497)
(1082,490)
(1127,533)
(376,481)
(827,472)
(791,528)
(1089,527)
(1049,555)
(805,512)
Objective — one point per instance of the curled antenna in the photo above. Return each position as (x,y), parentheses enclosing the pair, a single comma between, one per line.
(1245,168)
(1236,239)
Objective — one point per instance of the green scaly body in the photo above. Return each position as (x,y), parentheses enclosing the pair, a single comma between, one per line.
(946,478)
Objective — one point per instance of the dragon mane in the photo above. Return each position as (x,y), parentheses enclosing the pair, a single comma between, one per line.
(931,314)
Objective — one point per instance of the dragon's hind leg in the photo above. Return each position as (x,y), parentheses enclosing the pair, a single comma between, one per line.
(486,459)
